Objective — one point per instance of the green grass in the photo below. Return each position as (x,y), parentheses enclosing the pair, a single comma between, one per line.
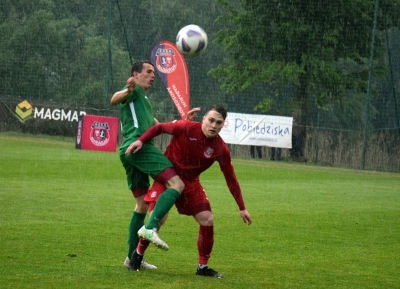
(64,215)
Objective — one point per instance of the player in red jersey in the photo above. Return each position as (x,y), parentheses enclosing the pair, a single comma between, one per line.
(193,149)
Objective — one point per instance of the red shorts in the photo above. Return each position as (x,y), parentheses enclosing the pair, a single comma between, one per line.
(192,200)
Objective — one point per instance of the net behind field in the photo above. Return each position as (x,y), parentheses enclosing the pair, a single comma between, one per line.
(74,56)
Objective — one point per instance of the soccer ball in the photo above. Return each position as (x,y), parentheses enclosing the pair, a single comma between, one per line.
(191,40)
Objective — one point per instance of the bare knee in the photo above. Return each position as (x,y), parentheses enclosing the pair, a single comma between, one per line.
(180,186)
(141,206)
(176,183)
(205,218)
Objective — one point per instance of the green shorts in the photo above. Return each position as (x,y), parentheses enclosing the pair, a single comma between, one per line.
(149,161)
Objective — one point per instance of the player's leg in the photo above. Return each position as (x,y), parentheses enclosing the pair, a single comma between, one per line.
(137,221)
(141,248)
(150,230)
(138,183)
(205,240)
(194,202)
(143,244)
(150,198)
(150,160)
(137,256)
(167,198)
(205,243)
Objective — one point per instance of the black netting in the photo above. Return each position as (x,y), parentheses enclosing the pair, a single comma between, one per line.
(333,65)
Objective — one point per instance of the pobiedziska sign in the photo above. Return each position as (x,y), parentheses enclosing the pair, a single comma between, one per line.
(257,129)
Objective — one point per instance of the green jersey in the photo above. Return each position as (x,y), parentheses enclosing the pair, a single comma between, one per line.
(136,115)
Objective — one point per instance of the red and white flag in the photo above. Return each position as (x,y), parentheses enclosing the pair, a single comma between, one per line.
(172,69)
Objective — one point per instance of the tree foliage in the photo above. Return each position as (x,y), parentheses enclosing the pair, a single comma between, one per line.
(321,48)
(53,50)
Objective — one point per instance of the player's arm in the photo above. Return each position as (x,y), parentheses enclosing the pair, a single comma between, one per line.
(173,128)
(122,95)
(233,185)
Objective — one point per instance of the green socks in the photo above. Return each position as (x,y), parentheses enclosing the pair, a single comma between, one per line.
(164,204)
(137,221)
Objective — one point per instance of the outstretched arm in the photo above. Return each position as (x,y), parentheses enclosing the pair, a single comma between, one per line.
(173,127)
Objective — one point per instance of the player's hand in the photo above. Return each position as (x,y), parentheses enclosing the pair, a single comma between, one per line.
(246,217)
(130,84)
(192,113)
(135,147)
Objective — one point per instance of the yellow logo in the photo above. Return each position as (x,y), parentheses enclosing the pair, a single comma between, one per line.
(24,111)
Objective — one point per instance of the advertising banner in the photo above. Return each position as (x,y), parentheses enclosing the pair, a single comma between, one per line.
(97,133)
(172,69)
(260,130)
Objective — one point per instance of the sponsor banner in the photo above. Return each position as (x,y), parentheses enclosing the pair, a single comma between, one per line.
(57,114)
(25,111)
(255,129)
(172,69)
(97,133)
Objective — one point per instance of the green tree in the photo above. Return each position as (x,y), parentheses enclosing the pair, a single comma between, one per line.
(319,48)
(56,50)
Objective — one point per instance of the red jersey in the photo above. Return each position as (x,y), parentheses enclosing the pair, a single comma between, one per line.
(192,153)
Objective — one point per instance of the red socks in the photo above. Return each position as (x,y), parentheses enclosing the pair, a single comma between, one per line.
(205,243)
(142,246)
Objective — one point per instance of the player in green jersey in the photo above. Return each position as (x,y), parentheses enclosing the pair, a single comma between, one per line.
(136,115)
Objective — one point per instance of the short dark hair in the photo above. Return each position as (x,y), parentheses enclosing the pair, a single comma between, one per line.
(139,65)
(218,108)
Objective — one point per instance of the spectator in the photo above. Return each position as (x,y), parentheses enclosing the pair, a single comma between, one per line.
(296,151)
(278,154)
(252,151)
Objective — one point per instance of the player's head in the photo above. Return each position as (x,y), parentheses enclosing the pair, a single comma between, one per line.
(143,72)
(138,66)
(213,120)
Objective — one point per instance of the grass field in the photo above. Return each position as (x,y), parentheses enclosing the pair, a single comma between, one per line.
(64,215)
